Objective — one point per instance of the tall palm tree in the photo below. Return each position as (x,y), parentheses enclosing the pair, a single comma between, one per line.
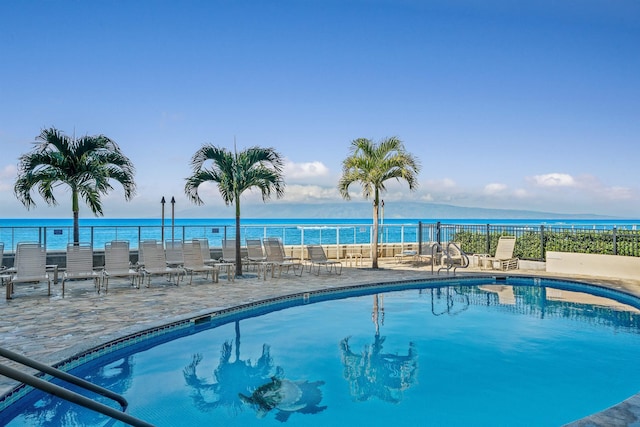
(371,164)
(235,172)
(87,165)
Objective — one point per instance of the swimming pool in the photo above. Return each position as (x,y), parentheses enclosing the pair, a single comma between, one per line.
(453,352)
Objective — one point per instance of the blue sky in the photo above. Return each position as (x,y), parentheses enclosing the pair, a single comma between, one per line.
(516,105)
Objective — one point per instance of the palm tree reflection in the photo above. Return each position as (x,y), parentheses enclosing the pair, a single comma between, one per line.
(231,377)
(373,373)
(261,385)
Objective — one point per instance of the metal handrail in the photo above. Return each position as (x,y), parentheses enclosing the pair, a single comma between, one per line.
(464,263)
(66,394)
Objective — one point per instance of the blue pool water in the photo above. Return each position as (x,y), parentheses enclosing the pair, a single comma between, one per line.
(516,352)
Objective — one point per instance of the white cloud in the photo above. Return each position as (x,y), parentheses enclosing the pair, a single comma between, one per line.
(310,193)
(304,171)
(618,193)
(554,180)
(444,183)
(495,188)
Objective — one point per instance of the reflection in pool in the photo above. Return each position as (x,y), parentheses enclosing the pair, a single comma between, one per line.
(538,353)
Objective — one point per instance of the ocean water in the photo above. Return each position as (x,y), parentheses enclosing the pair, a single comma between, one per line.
(56,233)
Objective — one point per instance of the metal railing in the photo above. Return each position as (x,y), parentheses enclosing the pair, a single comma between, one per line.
(65,393)
(532,241)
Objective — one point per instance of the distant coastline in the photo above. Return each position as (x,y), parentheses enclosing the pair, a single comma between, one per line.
(338,211)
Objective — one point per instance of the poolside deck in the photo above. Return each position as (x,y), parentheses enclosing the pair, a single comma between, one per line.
(51,329)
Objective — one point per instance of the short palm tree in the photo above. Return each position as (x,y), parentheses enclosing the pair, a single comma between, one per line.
(371,164)
(87,165)
(235,172)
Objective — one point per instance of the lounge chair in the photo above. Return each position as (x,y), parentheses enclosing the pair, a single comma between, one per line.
(412,254)
(278,241)
(428,253)
(503,258)
(155,263)
(80,265)
(2,267)
(4,272)
(30,267)
(318,258)
(453,255)
(228,251)
(140,262)
(275,258)
(117,263)
(173,253)
(193,262)
(206,251)
(255,255)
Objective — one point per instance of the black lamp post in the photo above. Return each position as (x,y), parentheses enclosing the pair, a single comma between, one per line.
(162,202)
(173,215)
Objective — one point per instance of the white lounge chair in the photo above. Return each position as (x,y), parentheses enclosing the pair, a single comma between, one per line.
(140,262)
(276,242)
(228,251)
(193,262)
(174,253)
(155,263)
(117,263)
(206,251)
(275,258)
(503,258)
(255,255)
(2,267)
(30,267)
(452,254)
(428,253)
(318,258)
(80,265)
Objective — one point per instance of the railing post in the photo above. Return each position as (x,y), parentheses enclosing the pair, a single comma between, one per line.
(542,248)
(438,232)
(302,243)
(420,237)
(615,240)
(488,242)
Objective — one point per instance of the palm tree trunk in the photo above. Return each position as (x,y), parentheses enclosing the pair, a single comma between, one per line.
(238,254)
(76,223)
(374,250)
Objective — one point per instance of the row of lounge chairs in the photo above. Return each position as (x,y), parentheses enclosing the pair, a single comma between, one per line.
(178,259)
(174,259)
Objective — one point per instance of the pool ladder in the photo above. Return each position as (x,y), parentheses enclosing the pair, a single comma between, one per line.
(442,254)
(66,394)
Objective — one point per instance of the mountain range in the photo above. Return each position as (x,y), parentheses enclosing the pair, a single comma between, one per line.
(395,210)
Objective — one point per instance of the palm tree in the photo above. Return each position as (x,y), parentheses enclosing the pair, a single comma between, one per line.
(371,164)
(87,165)
(235,172)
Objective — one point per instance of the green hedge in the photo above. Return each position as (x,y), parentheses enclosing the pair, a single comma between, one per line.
(528,243)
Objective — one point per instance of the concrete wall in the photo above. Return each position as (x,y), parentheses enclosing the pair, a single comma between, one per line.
(616,266)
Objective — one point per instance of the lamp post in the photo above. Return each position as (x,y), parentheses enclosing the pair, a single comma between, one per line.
(173,215)
(162,202)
